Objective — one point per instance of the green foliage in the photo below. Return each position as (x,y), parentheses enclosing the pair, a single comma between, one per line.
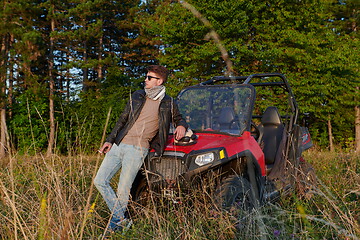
(29,123)
(84,120)
(305,40)
(97,43)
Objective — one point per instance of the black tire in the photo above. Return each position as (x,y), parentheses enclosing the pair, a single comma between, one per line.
(235,196)
(142,194)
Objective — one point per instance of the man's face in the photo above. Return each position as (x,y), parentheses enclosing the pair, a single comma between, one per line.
(152,79)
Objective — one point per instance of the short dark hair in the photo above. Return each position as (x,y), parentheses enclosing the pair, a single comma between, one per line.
(160,70)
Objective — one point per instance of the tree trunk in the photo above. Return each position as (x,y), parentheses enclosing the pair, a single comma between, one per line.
(5,147)
(68,87)
(331,143)
(11,81)
(357,107)
(67,79)
(2,97)
(357,126)
(4,142)
(100,69)
(85,70)
(10,91)
(51,94)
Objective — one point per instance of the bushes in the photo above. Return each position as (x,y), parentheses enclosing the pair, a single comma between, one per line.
(79,122)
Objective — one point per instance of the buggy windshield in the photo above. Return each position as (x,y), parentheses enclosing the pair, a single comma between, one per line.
(221,108)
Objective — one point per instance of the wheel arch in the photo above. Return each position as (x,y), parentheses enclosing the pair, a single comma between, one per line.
(246,165)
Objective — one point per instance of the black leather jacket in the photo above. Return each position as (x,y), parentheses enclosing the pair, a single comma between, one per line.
(132,111)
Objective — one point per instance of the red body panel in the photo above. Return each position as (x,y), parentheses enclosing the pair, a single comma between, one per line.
(232,144)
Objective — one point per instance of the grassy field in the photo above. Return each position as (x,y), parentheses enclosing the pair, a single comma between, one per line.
(53,198)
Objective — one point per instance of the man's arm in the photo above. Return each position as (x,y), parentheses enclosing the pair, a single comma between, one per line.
(119,124)
(180,123)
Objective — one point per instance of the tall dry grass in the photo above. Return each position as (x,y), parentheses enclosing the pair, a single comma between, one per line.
(51,198)
(45,198)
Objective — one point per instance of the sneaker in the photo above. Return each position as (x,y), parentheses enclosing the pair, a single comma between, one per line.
(118,226)
(125,224)
(111,229)
(114,225)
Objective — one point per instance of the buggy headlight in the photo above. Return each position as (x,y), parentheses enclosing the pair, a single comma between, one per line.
(204,159)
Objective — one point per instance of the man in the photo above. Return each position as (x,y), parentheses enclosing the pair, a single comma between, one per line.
(144,124)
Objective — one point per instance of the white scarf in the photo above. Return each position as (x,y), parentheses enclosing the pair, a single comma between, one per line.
(155,93)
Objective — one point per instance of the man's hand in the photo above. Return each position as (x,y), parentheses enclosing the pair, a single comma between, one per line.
(179,132)
(105,148)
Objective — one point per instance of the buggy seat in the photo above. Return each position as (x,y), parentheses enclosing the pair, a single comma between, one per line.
(226,118)
(273,129)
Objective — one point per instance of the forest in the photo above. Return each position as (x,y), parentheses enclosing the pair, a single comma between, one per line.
(68,66)
(67,69)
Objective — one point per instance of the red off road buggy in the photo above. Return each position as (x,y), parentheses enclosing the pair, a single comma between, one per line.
(245,134)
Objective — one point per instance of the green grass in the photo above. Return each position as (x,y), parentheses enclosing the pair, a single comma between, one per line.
(52,198)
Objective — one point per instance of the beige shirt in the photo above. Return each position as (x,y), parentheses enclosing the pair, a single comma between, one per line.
(146,126)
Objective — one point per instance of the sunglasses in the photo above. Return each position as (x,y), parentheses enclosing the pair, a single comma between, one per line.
(150,77)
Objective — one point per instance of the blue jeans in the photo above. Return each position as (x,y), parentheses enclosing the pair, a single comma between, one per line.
(129,158)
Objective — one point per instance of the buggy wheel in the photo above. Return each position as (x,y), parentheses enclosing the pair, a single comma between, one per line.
(306,180)
(235,196)
(142,194)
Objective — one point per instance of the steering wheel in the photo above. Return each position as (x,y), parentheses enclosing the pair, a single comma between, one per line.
(255,131)
(234,124)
